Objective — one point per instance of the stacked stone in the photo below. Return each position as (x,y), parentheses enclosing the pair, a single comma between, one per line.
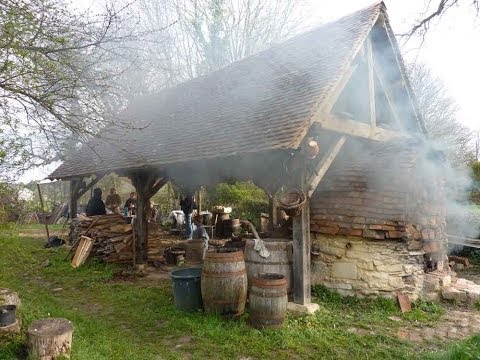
(364,267)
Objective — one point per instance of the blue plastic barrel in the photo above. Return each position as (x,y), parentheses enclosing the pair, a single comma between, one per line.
(187,294)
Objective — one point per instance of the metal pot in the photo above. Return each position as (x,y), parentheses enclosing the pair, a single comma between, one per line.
(7,315)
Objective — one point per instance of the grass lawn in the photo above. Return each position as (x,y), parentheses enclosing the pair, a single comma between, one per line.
(136,319)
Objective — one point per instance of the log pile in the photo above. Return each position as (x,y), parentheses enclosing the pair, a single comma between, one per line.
(114,238)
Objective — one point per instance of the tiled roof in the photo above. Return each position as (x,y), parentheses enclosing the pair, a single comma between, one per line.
(263,102)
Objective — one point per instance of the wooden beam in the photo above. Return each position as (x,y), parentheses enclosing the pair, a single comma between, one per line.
(356,128)
(324,164)
(74,184)
(272,212)
(146,185)
(92,182)
(400,65)
(371,84)
(301,247)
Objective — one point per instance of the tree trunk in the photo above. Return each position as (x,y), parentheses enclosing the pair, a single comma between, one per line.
(49,338)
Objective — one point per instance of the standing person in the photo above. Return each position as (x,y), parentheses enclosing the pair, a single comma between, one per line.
(130,204)
(188,204)
(199,232)
(95,205)
(113,201)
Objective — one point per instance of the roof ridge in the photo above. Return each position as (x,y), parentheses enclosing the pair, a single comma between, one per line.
(373,7)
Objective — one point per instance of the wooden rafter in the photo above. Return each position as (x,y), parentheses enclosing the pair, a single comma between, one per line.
(400,67)
(324,164)
(371,84)
(356,128)
(88,186)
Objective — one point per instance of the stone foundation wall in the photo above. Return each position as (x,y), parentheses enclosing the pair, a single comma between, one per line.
(363,267)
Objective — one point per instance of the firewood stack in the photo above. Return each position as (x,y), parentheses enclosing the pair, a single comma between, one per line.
(113,238)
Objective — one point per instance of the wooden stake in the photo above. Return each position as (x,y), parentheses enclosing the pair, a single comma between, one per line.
(43,211)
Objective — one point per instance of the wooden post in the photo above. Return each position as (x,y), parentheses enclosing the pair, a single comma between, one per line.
(43,210)
(141,222)
(199,199)
(73,198)
(272,212)
(301,246)
(146,185)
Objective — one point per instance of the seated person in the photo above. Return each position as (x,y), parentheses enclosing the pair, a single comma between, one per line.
(95,205)
(113,201)
(130,204)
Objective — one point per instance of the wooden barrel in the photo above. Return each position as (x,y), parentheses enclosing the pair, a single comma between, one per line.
(268,301)
(280,260)
(194,251)
(224,282)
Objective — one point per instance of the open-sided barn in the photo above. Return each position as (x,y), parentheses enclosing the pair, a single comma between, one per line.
(374,219)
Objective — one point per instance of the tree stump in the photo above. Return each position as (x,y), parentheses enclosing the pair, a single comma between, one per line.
(8,297)
(12,328)
(49,338)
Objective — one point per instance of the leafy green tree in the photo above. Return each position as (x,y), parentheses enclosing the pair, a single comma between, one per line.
(246,199)
(57,78)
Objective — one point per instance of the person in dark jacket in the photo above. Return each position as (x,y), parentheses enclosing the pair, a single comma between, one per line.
(188,204)
(95,205)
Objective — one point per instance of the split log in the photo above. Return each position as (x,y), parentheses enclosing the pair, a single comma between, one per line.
(49,338)
(83,251)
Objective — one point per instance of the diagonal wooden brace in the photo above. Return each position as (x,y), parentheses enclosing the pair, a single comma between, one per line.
(324,164)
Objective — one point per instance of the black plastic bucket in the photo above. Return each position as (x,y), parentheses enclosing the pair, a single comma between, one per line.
(7,315)
(187,294)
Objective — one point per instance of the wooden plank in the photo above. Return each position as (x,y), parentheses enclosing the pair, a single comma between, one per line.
(371,84)
(356,128)
(324,164)
(301,248)
(83,251)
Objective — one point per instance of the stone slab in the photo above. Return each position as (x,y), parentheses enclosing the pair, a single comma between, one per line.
(451,293)
(344,270)
(305,309)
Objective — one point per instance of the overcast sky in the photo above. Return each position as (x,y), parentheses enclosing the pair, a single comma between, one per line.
(451,48)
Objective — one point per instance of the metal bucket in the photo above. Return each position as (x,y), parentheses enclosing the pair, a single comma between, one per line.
(7,315)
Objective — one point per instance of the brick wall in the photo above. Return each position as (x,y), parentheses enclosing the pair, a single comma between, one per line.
(375,219)
(364,194)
